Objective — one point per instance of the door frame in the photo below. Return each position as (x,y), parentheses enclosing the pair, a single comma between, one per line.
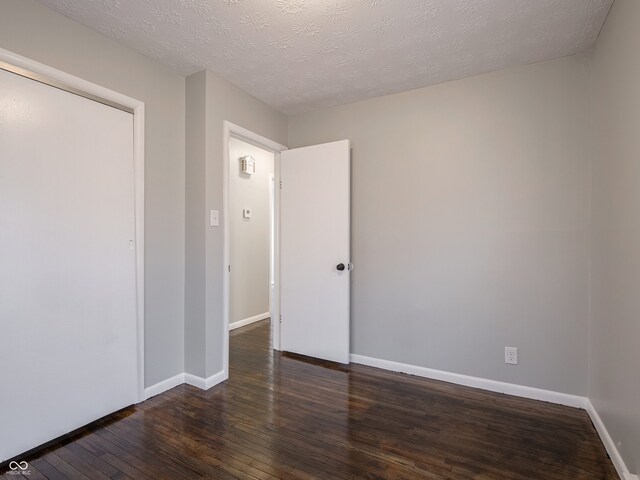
(272,236)
(231,130)
(53,77)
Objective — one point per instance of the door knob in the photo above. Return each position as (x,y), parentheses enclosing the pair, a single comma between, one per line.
(340,267)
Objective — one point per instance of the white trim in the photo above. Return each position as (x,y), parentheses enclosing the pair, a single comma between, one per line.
(272,236)
(274,306)
(163,386)
(609,444)
(138,160)
(138,167)
(205,383)
(476,382)
(232,130)
(180,379)
(249,321)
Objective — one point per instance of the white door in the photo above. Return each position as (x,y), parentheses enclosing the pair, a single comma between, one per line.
(315,250)
(67,263)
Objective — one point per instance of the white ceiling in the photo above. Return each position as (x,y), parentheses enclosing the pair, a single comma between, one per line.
(298,55)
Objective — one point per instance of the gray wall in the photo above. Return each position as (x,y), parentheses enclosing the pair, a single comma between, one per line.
(195,234)
(203,308)
(470,223)
(250,238)
(614,360)
(32,30)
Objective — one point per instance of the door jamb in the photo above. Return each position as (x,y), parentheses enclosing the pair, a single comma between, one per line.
(232,130)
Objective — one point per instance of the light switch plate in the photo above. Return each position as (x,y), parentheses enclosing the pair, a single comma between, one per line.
(246,213)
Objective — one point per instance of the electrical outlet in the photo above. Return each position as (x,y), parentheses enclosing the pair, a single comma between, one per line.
(511,355)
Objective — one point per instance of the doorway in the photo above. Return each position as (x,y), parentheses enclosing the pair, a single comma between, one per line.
(310,280)
(250,223)
(71,190)
(251,238)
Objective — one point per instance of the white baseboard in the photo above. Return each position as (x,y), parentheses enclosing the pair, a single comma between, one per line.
(163,386)
(249,321)
(476,382)
(169,383)
(204,383)
(609,444)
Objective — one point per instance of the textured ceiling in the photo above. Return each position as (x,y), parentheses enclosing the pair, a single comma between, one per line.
(298,55)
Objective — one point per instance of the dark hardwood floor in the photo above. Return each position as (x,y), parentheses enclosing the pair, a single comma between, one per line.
(287,417)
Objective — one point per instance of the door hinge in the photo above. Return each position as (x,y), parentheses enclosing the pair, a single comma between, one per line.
(280,184)
(280,318)
(229,268)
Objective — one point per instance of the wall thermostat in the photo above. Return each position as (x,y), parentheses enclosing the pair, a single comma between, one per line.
(246,213)
(248,165)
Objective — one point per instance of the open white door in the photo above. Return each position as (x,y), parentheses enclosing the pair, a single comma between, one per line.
(315,250)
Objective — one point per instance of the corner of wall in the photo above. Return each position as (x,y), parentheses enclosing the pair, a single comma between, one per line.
(195,154)
(590,161)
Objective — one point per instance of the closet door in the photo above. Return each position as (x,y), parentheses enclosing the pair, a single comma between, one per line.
(68,353)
